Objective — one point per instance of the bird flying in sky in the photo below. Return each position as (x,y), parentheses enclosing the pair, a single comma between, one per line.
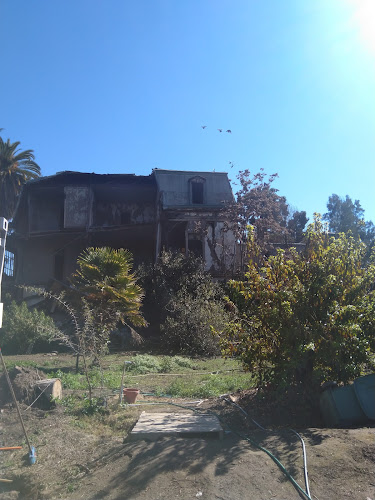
(204,126)
(220,129)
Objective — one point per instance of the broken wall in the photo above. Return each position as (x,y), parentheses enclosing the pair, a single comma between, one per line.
(219,248)
(76,206)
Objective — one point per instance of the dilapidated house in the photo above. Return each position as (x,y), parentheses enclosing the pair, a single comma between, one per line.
(59,216)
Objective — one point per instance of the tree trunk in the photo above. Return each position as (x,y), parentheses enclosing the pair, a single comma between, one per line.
(50,387)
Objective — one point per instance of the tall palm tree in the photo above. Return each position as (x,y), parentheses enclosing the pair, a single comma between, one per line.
(16,168)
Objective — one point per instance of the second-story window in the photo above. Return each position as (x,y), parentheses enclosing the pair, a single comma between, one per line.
(197,188)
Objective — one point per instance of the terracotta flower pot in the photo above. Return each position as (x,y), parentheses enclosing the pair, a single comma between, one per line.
(130,395)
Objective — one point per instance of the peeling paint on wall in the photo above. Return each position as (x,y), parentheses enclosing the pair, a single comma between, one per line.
(76,206)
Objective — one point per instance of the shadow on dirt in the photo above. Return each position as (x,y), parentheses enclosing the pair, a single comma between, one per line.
(190,456)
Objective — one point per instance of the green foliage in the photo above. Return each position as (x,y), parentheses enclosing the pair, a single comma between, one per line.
(296,225)
(191,318)
(111,290)
(257,204)
(163,280)
(16,168)
(344,215)
(145,363)
(78,406)
(305,318)
(182,299)
(22,328)
(210,385)
(69,380)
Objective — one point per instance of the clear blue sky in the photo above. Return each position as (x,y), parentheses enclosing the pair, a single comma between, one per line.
(117,86)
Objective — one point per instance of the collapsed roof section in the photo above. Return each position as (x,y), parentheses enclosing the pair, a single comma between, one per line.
(59,216)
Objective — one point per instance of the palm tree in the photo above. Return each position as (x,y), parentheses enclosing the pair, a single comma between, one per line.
(104,277)
(16,168)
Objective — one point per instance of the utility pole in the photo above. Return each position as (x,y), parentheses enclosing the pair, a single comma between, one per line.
(3,237)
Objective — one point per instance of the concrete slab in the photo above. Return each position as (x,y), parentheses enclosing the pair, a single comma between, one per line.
(155,425)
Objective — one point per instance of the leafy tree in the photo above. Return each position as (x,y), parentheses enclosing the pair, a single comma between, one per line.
(344,215)
(258,205)
(296,225)
(16,168)
(22,328)
(305,318)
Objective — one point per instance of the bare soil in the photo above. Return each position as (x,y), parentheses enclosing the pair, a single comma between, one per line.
(90,459)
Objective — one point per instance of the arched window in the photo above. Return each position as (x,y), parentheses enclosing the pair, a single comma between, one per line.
(197,190)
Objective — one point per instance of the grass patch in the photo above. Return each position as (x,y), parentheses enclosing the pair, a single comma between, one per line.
(26,364)
(207,377)
(207,386)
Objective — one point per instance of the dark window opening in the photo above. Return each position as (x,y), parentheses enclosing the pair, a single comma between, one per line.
(9,263)
(197,192)
(195,246)
(176,237)
(59,266)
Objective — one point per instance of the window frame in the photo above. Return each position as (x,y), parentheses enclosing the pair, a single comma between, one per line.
(193,182)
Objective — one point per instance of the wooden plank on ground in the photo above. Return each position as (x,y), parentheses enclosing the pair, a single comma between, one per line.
(155,425)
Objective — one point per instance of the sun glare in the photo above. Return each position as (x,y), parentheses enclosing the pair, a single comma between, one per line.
(364,19)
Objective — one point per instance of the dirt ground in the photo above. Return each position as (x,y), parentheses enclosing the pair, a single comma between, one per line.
(74,462)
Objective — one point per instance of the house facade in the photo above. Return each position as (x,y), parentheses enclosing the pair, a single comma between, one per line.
(59,216)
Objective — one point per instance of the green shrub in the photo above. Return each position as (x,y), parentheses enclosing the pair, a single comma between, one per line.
(145,363)
(305,317)
(188,327)
(22,328)
(162,281)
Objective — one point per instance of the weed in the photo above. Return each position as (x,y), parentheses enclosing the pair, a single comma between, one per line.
(69,380)
(92,406)
(145,363)
(184,362)
(166,364)
(71,487)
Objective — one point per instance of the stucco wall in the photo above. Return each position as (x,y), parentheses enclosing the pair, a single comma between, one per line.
(175,187)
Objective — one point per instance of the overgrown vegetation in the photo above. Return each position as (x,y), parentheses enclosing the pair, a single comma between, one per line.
(191,317)
(184,303)
(259,204)
(105,294)
(178,376)
(304,318)
(145,363)
(22,328)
